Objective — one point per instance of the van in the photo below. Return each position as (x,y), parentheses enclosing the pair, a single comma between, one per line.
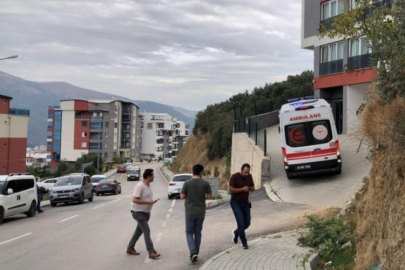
(309,138)
(18,195)
(75,187)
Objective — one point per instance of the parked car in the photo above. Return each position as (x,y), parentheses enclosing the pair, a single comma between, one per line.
(97,178)
(176,184)
(75,187)
(166,161)
(127,165)
(48,183)
(121,169)
(134,173)
(108,186)
(18,195)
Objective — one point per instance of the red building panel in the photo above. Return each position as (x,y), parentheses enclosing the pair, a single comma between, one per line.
(4,104)
(81,131)
(12,155)
(81,105)
(347,78)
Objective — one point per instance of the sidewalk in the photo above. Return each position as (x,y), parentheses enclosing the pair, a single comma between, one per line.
(274,252)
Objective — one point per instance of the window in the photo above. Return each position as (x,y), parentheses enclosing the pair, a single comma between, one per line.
(332,52)
(84,134)
(331,9)
(308,133)
(149,126)
(84,123)
(359,47)
(107,124)
(115,125)
(84,144)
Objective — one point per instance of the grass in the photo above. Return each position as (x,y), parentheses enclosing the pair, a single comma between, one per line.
(306,258)
(344,259)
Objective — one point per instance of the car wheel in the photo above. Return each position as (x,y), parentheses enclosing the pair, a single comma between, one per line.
(289,176)
(91,197)
(116,192)
(169,197)
(1,214)
(128,179)
(33,210)
(97,194)
(119,191)
(54,204)
(81,198)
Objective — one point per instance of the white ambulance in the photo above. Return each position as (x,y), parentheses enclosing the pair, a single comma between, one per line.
(309,138)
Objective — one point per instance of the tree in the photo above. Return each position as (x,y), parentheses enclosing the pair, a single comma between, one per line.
(92,157)
(383,25)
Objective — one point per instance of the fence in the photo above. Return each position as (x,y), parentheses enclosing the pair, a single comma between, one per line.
(254,130)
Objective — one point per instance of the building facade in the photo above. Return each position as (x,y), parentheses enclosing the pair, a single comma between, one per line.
(107,127)
(13,137)
(342,72)
(162,135)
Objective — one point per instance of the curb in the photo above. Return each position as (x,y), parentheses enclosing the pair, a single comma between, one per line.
(312,261)
(272,195)
(215,203)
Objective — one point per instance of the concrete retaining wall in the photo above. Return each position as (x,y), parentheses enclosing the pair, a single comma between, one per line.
(266,120)
(244,150)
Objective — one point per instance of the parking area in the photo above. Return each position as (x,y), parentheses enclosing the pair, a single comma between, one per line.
(320,190)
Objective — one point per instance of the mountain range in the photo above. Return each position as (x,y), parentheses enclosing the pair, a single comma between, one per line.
(37,96)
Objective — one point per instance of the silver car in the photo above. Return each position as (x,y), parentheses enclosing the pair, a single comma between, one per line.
(176,184)
(75,187)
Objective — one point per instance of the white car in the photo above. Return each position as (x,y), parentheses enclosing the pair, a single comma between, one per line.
(48,183)
(176,184)
(18,195)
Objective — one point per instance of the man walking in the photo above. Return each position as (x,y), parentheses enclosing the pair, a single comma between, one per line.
(40,193)
(240,185)
(141,206)
(195,191)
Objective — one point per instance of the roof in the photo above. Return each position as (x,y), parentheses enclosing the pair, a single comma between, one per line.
(316,103)
(6,97)
(106,101)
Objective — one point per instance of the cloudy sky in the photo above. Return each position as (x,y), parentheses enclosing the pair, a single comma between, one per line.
(183,53)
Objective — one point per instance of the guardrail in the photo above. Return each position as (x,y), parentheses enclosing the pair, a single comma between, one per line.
(254,130)
(15,111)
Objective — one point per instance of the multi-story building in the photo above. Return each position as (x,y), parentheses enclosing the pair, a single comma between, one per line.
(13,137)
(108,127)
(162,135)
(342,72)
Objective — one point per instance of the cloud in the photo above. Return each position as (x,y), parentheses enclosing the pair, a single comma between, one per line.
(167,51)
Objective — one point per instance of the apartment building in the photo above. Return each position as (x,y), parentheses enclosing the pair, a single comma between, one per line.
(342,72)
(162,135)
(13,137)
(108,127)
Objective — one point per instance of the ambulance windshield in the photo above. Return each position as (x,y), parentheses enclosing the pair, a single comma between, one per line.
(308,133)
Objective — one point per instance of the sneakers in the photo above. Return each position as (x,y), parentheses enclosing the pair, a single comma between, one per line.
(194,258)
(153,255)
(132,251)
(245,246)
(234,237)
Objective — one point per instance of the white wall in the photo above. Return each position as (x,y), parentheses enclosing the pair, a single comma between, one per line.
(68,152)
(18,124)
(355,97)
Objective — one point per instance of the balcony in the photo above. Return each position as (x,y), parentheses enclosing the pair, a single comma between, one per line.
(89,117)
(22,112)
(126,119)
(125,129)
(95,147)
(53,107)
(330,68)
(50,126)
(49,136)
(126,111)
(378,4)
(96,139)
(360,61)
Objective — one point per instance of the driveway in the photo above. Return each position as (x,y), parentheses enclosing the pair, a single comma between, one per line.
(321,190)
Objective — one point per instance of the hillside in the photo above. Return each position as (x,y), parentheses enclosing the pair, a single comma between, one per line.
(37,96)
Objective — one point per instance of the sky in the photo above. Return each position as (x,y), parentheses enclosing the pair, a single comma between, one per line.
(182,53)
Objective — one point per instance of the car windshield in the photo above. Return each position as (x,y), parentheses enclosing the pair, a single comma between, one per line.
(97,179)
(181,178)
(69,181)
(2,182)
(133,172)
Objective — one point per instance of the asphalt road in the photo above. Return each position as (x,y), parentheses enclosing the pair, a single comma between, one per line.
(94,235)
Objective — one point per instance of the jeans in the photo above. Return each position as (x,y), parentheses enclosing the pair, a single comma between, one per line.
(39,204)
(242,216)
(143,228)
(194,225)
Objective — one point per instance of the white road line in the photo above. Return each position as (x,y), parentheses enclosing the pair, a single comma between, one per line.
(147,260)
(115,201)
(159,236)
(168,216)
(15,238)
(127,196)
(164,223)
(171,209)
(173,203)
(68,218)
(98,206)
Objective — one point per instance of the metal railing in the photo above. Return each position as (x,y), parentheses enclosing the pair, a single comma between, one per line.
(19,112)
(331,67)
(254,131)
(360,61)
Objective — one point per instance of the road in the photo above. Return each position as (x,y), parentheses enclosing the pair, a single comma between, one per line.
(321,190)
(94,235)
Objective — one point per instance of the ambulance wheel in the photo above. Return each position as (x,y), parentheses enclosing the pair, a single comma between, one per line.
(290,176)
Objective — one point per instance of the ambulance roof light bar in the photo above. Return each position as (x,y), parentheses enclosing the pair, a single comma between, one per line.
(302,98)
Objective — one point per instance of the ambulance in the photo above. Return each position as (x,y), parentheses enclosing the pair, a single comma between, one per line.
(309,138)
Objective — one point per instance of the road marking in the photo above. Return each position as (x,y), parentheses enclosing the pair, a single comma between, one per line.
(127,196)
(115,201)
(147,260)
(68,218)
(15,238)
(98,206)
(171,209)
(159,236)
(168,216)
(173,203)
(164,223)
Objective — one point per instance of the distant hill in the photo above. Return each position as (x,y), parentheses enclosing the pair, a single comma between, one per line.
(37,96)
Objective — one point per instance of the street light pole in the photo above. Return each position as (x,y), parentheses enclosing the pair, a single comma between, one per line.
(9,57)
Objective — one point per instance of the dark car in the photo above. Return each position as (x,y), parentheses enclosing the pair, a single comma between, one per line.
(134,173)
(121,169)
(108,186)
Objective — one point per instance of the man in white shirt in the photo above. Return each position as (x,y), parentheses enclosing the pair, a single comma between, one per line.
(141,206)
